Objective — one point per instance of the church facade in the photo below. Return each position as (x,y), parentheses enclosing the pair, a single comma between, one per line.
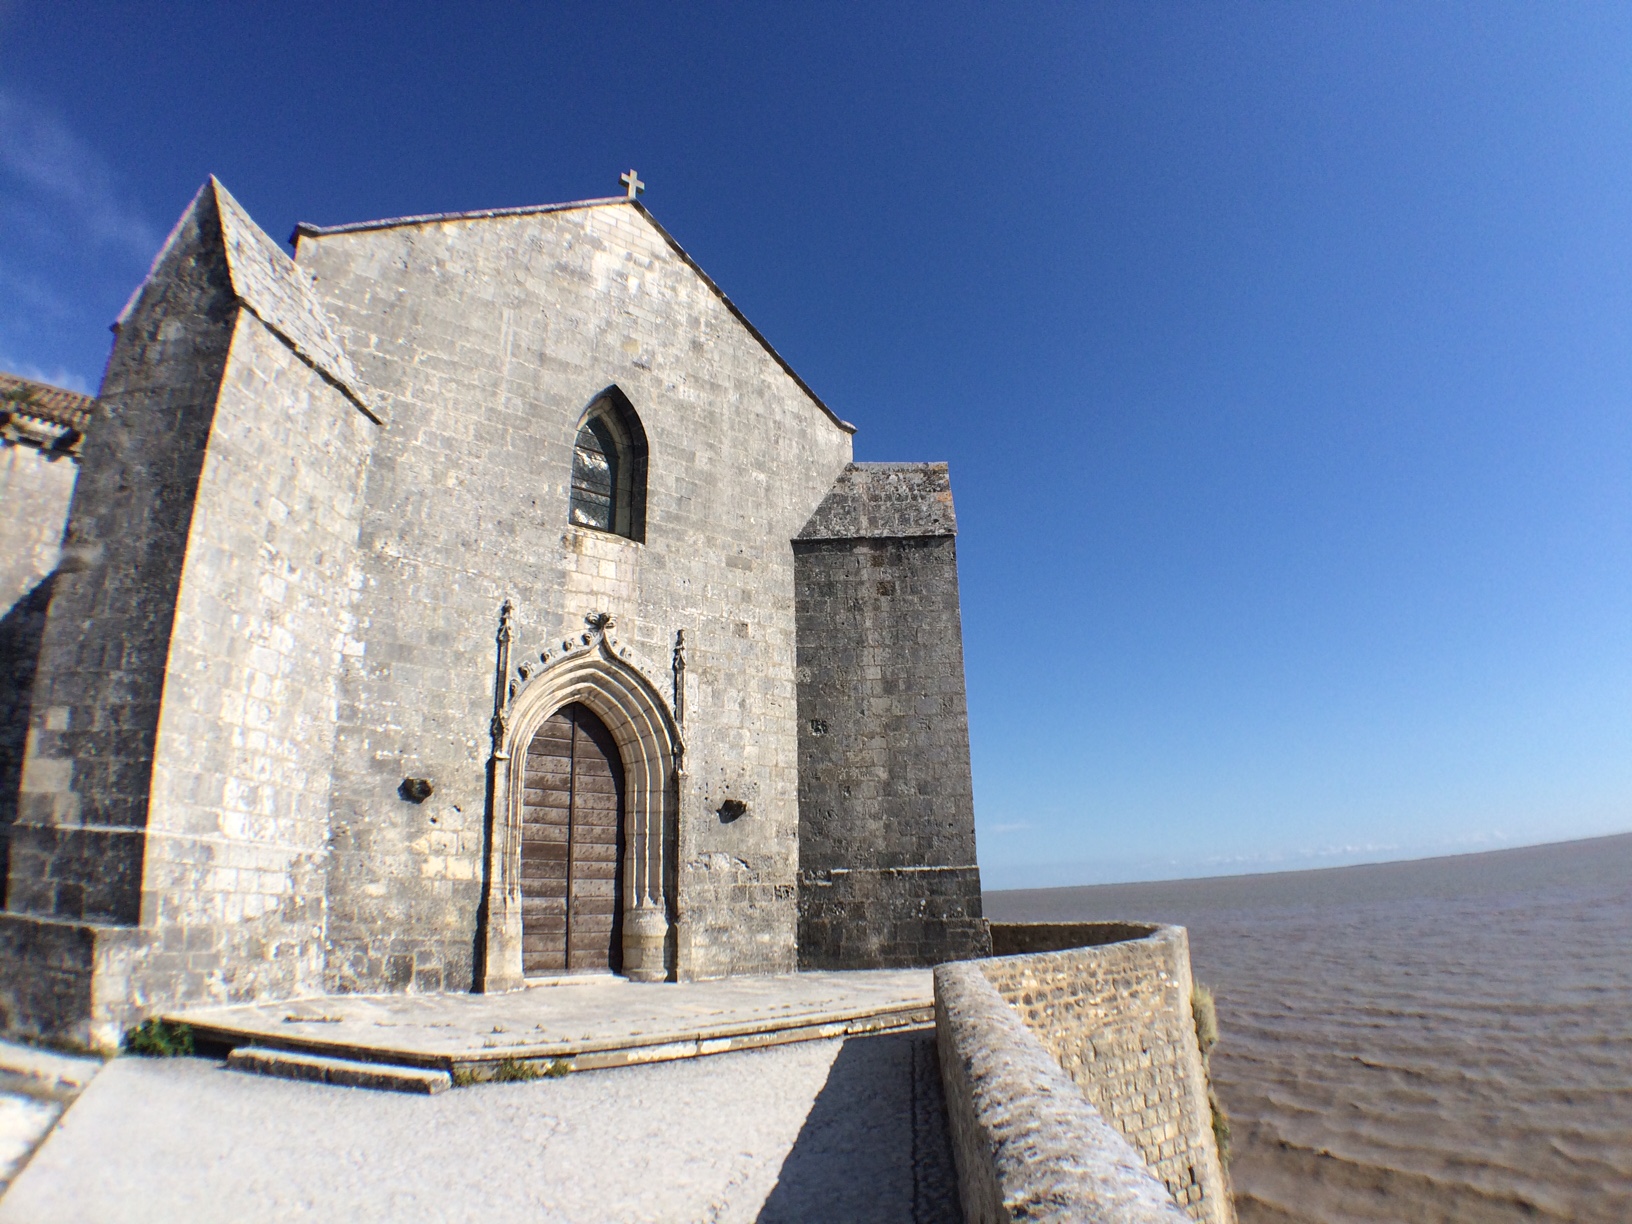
(471,599)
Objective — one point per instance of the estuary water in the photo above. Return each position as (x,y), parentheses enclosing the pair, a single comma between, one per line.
(1441,1040)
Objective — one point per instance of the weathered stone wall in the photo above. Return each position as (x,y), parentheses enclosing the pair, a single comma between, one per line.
(233,883)
(1027,1143)
(21,629)
(485,340)
(41,428)
(36,485)
(183,714)
(77,846)
(1116,1017)
(887,873)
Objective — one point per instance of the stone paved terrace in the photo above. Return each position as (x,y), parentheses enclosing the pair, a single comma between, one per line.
(588,1023)
(847,1131)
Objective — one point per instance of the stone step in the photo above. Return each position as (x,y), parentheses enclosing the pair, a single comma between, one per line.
(316,1068)
(49,1067)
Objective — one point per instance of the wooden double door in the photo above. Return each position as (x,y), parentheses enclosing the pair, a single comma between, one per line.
(572,847)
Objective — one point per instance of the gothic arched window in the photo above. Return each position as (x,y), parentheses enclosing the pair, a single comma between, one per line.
(609,469)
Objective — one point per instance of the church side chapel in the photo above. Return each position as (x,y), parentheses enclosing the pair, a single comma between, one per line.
(469,600)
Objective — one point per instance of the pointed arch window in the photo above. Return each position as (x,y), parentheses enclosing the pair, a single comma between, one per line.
(609,469)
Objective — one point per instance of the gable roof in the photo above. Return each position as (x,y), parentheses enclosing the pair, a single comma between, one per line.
(307,230)
(38,414)
(44,402)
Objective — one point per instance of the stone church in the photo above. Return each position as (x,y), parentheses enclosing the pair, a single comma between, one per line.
(468,599)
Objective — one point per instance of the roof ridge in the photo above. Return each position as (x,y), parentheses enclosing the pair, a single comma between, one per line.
(308,229)
(736,310)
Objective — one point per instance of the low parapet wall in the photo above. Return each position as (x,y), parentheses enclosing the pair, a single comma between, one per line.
(1108,1007)
(1028,1145)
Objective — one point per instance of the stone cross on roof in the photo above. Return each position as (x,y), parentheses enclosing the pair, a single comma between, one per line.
(632,181)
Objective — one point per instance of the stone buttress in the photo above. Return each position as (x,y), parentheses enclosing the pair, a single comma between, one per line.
(887,873)
(172,807)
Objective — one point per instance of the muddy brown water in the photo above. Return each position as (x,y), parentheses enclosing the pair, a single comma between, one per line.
(1441,1040)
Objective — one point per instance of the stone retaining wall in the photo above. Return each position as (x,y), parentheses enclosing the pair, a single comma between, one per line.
(1027,1143)
(1111,1003)
(1108,1006)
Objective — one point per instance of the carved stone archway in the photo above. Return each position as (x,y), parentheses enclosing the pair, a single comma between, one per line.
(598,672)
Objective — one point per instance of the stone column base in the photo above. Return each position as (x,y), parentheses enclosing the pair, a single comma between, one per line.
(645,942)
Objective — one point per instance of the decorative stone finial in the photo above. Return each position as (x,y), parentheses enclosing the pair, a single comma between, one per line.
(633,183)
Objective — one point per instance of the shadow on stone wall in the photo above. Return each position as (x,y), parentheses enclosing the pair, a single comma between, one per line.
(875,1145)
(21,629)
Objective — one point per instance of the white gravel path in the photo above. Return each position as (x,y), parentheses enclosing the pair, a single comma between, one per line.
(829,1130)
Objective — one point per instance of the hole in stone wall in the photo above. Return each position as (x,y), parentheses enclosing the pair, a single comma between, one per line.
(416,790)
(732,809)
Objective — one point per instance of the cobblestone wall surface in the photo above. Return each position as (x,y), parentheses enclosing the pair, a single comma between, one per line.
(1026,1141)
(1116,1017)
(887,873)
(483,342)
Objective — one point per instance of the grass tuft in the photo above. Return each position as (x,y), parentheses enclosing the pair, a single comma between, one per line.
(1206,1014)
(159,1038)
(514,1071)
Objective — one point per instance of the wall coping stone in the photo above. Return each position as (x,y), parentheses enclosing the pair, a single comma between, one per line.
(885,501)
(1028,1144)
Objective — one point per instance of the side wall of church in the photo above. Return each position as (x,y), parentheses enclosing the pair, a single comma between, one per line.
(887,871)
(238,827)
(36,487)
(484,341)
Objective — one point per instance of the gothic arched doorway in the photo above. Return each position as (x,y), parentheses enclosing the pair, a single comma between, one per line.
(572,847)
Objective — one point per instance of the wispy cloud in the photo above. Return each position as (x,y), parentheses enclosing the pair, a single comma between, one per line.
(1013,826)
(46,160)
(73,240)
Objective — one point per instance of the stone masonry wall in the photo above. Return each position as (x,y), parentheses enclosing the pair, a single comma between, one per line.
(183,715)
(1027,1143)
(1117,1019)
(41,428)
(887,873)
(484,340)
(233,885)
(36,486)
(77,846)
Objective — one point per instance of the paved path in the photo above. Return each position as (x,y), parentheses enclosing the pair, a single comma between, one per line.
(598,1021)
(35,1087)
(820,1131)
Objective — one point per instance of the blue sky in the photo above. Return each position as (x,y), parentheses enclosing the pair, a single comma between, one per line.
(1282,353)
